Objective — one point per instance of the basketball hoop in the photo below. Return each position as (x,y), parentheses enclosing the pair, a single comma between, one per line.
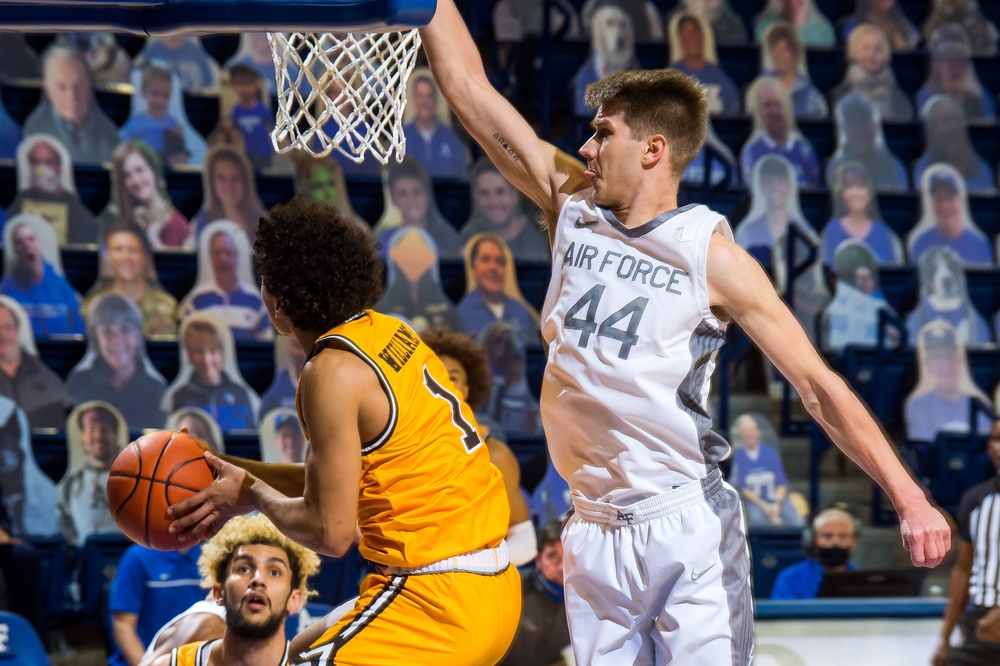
(342,91)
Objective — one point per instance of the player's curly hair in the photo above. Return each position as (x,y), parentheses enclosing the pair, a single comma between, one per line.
(217,553)
(472,357)
(319,266)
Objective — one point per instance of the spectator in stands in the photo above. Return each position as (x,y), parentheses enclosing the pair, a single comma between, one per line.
(973,603)
(783,56)
(96,433)
(513,20)
(108,62)
(692,52)
(496,209)
(775,133)
(543,632)
(774,206)
(952,73)
(511,403)
(886,14)
(226,285)
(251,116)
(255,51)
(411,204)
(759,476)
(852,318)
(946,139)
(491,290)
(612,50)
(982,33)
(944,297)
(209,377)
(150,587)
(413,283)
(24,378)
(69,112)
(429,136)
(869,72)
(151,121)
(139,195)
(727,26)
(814,28)
(128,269)
(322,179)
(645,17)
(945,219)
(940,401)
(46,188)
(831,541)
(230,191)
(715,156)
(281,437)
(856,217)
(115,369)
(199,423)
(289,357)
(860,139)
(186,56)
(10,135)
(33,277)
(19,60)
(27,495)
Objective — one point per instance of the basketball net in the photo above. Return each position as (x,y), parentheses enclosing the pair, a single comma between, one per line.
(342,92)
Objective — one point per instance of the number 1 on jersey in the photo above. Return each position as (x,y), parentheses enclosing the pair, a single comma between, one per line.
(470,436)
(627,336)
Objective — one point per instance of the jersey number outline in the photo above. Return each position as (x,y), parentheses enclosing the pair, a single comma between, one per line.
(633,311)
(470,436)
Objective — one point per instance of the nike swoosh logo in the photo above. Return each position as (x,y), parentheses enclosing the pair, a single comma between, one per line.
(583,224)
(696,575)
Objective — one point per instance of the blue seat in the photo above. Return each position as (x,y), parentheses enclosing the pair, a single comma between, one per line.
(338,577)
(19,644)
(98,565)
(55,558)
(772,549)
(956,463)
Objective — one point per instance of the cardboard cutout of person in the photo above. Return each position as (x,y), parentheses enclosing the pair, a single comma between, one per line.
(491,290)
(255,51)
(852,318)
(759,475)
(116,368)
(783,56)
(966,14)
(860,139)
(10,135)
(946,139)
(139,196)
(209,377)
(945,297)
(886,14)
(497,207)
(95,433)
(24,377)
(33,276)
(612,50)
(245,105)
(869,73)
(186,57)
(953,73)
(109,63)
(814,28)
(289,357)
(692,51)
(856,217)
(322,179)
(200,424)
(281,437)
(410,204)
(646,19)
(513,20)
(945,219)
(727,26)
(46,187)
(427,127)
(940,401)
(68,110)
(226,285)
(413,283)
(230,191)
(511,404)
(28,494)
(128,268)
(159,119)
(776,133)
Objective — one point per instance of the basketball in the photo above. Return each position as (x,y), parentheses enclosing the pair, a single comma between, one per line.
(152,473)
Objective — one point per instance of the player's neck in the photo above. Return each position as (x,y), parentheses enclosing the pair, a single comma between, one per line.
(234,650)
(651,198)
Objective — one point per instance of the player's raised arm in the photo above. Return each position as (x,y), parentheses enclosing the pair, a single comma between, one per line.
(740,289)
(541,171)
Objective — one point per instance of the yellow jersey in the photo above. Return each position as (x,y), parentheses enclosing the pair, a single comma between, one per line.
(428,490)
(199,654)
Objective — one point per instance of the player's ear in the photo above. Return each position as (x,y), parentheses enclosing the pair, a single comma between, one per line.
(295,601)
(219,594)
(656,151)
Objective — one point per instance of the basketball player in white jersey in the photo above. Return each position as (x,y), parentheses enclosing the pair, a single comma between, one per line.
(656,563)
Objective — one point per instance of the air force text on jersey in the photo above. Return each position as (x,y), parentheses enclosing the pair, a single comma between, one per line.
(627,267)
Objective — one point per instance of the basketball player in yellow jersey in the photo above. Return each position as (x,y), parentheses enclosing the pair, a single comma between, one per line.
(394,455)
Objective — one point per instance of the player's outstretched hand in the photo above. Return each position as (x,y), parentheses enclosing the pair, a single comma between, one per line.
(202,515)
(926,534)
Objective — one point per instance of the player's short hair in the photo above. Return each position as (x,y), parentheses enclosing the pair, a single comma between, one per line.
(657,101)
(154,73)
(549,533)
(217,553)
(318,264)
(468,353)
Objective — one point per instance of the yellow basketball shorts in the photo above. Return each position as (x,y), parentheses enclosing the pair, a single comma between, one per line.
(440,619)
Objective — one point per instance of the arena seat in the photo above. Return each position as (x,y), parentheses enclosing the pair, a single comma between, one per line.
(338,577)
(956,462)
(773,549)
(98,564)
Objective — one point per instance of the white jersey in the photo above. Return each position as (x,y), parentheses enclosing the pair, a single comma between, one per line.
(631,350)
(204,606)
